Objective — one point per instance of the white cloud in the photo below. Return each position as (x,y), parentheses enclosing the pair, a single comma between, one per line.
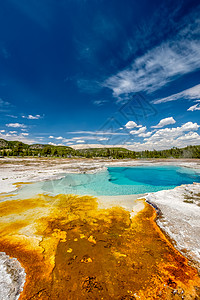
(190,136)
(164,122)
(139,131)
(2,131)
(162,64)
(66,140)
(25,133)
(4,103)
(147,134)
(100,102)
(96,138)
(86,146)
(51,137)
(79,138)
(156,68)
(52,144)
(189,126)
(59,138)
(102,139)
(174,132)
(31,117)
(131,124)
(170,137)
(80,141)
(11,132)
(189,94)
(16,137)
(16,125)
(12,116)
(97,132)
(194,107)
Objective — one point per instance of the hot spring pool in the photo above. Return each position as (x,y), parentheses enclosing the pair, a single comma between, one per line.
(115,181)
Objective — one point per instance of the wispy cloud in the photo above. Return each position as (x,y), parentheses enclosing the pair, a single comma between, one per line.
(159,66)
(16,125)
(12,132)
(156,68)
(37,11)
(96,132)
(85,146)
(12,116)
(31,117)
(165,122)
(4,52)
(3,102)
(80,139)
(100,102)
(190,94)
(89,86)
(90,138)
(4,106)
(194,107)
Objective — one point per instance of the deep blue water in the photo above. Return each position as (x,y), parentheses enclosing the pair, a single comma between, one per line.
(116,181)
(155,176)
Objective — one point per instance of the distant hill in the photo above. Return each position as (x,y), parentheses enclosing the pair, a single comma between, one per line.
(16,148)
(3,143)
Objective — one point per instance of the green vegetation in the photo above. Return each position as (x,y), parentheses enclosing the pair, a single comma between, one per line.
(16,148)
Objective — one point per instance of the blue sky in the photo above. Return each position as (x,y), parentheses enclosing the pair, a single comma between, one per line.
(96,72)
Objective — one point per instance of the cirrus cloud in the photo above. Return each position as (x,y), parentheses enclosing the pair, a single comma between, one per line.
(31,117)
(190,94)
(16,125)
(194,107)
(162,64)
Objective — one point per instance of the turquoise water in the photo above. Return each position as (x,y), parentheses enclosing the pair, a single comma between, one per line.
(116,181)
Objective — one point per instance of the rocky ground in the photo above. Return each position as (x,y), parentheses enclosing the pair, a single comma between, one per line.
(180,217)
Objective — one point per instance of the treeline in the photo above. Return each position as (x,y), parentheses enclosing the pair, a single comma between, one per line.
(187,152)
(15,148)
(117,153)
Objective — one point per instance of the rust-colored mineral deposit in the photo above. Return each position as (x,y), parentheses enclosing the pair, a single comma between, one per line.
(71,249)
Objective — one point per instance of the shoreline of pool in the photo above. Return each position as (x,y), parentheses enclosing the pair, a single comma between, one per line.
(15,171)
